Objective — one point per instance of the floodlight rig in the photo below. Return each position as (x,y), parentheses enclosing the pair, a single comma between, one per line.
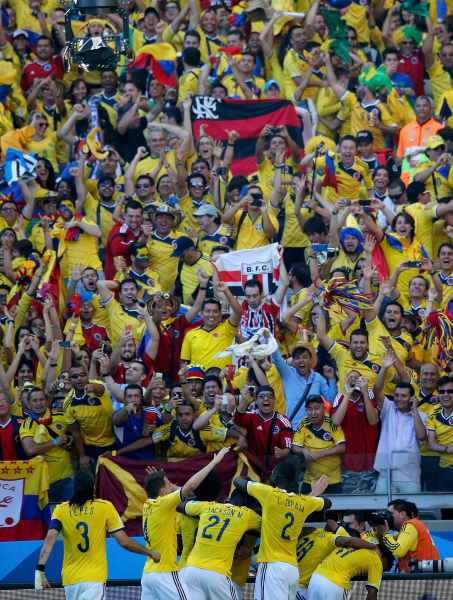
(101,52)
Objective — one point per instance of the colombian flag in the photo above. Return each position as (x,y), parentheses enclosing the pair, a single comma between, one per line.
(24,510)
(330,179)
(120,480)
(160,59)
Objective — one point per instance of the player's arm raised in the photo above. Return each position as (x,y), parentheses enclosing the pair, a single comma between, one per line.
(191,485)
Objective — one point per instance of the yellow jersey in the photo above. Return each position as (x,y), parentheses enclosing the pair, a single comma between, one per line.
(443,428)
(94,416)
(397,250)
(187,529)
(121,318)
(84,529)
(345,563)
(369,367)
(401,344)
(160,251)
(188,278)
(327,435)
(201,346)
(250,232)
(353,182)
(283,516)
(149,164)
(267,170)
(184,444)
(358,117)
(58,459)
(159,531)
(424,216)
(312,549)
(220,529)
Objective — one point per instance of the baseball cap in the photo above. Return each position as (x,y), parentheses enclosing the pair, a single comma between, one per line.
(206,209)
(164,209)
(182,243)
(271,83)
(19,32)
(364,137)
(434,141)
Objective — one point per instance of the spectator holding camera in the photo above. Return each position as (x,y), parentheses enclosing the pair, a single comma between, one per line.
(254,224)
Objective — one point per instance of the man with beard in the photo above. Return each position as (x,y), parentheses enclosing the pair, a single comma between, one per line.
(351,249)
(100,207)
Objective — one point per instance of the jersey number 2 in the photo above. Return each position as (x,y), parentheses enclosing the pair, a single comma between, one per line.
(290,517)
(213,521)
(85,544)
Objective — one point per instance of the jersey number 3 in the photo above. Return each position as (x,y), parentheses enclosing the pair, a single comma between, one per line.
(85,543)
(290,518)
(213,521)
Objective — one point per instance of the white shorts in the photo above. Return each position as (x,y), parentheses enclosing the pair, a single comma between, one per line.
(163,586)
(321,588)
(276,581)
(302,593)
(90,590)
(204,584)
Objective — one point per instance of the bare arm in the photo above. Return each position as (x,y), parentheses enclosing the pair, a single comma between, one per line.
(191,485)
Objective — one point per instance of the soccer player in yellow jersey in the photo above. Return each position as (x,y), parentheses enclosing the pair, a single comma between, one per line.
(283,516)
(161,581)
(332,578)
(316,544)
(84,523)
(221,528)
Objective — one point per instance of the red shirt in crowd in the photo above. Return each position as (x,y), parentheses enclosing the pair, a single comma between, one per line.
(36,70)
(10,446)
(170,343)
(258,432)
(120,238)
(94,336)
(361,437)
(414,67)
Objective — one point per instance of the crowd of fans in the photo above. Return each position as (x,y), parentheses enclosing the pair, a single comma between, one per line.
(124,358)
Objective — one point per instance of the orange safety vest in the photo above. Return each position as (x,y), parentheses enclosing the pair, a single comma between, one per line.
(425,550)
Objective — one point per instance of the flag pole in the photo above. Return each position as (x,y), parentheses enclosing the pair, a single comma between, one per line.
(313,172)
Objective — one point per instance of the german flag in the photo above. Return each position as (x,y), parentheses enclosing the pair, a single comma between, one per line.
(248,118)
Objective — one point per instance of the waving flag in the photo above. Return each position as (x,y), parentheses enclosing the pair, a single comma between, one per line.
(120,480)
(248,118)
(330,178)
(263,264)
(24,511)
(17,164)
(160,59)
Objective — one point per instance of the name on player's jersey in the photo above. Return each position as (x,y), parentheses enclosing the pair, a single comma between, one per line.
(291,503)
(86,509)
(227,511)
